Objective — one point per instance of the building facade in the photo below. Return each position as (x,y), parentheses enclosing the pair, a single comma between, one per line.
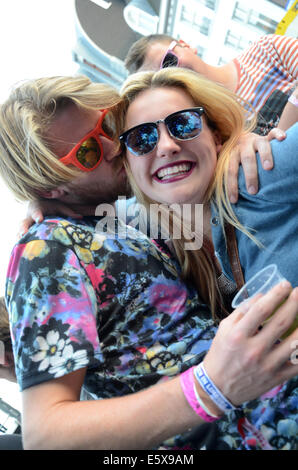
(218,29)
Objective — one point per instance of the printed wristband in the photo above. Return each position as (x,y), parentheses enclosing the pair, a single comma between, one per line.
(187,385)
(293,100)
(210,388)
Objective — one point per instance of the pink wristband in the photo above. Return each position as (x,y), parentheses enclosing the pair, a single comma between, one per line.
(187,384)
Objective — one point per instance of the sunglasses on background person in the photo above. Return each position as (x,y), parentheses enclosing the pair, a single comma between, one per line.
(88,152)
(170,59)
(181,125)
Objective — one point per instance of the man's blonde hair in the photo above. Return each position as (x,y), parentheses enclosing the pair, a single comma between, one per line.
(27,164)
(229,119)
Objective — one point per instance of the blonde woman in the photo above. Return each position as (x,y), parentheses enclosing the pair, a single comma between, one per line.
(179,131)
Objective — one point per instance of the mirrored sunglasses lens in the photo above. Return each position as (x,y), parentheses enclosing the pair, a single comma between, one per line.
(186,125)
(142,140)
(89,153)
(170,60)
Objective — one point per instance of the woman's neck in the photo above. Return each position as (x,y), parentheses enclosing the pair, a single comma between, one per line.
(197,224)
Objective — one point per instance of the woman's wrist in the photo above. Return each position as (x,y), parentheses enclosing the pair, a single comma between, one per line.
(192,392)
(207,404)
(205,398)
(211,395)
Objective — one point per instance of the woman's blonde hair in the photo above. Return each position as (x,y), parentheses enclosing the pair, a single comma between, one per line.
(225,115)
(27,164)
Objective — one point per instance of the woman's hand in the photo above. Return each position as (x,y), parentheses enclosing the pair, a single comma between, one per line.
(245,154)
(38,209)
(245,361)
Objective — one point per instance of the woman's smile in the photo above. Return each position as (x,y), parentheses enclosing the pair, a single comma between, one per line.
(174,172)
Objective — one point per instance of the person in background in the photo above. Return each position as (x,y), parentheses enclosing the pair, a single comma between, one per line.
(265,74)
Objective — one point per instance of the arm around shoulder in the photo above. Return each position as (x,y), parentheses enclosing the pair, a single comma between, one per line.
(138,421)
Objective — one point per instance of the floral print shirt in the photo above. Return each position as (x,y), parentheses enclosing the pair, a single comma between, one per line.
(78,298)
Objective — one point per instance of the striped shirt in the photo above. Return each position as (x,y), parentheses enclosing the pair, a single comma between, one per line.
(269,64)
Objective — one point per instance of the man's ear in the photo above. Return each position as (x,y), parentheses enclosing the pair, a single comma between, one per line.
(55,193)
(184,44)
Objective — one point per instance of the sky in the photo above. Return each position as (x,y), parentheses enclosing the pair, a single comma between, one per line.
(36,40)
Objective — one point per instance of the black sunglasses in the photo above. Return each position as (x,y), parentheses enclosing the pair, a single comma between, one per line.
(170,59)
(182,125)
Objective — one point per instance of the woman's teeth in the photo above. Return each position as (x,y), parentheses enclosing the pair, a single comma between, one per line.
(177,170)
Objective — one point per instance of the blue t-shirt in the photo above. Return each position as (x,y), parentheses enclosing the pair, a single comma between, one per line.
(272,216)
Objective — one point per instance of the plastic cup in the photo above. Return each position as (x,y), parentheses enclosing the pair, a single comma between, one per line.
(261,283)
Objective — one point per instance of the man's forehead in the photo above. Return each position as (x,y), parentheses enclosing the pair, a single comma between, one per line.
(69,126)
(154,54)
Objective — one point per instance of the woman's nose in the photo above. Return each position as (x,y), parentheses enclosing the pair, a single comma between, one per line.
(167,145)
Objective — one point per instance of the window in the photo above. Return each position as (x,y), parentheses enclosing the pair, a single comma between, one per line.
(186,14)
(211,4)
(231,40)
(237,42)
(281,3)
(200,51)
(203,25)
(222,61)
(252,17)
(262,22)
(239,14)
(200,23)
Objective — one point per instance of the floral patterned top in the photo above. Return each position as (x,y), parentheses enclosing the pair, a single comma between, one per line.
(116,305)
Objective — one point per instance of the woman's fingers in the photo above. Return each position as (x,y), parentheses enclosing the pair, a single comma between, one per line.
(258,309)
(282,319)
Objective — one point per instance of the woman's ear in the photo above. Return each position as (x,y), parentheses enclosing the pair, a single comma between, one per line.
(217,140)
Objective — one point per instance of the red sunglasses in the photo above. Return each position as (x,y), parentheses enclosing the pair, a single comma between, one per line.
(88,152)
